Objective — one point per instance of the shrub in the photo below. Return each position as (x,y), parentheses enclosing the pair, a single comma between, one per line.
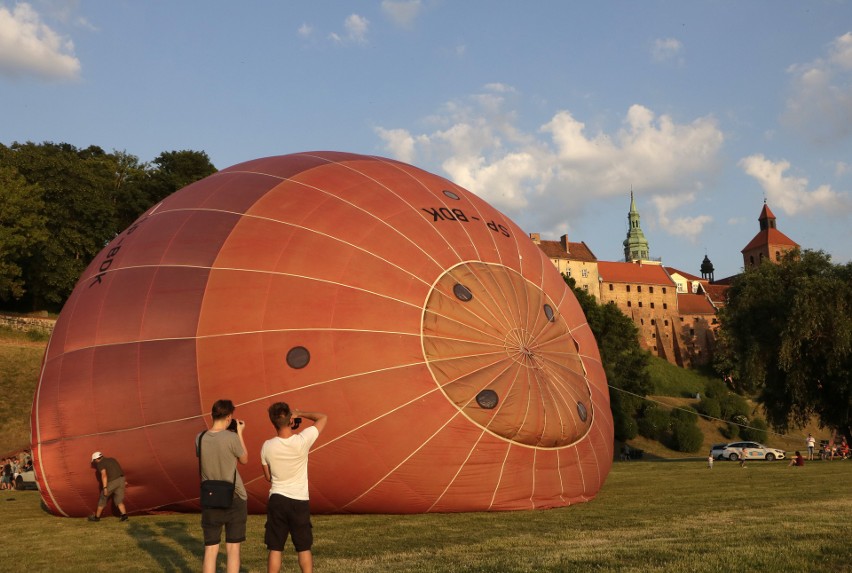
(756,431)
(710,407)
(715,389)
(684,415)
(654,423)
(730,431)
(625,427)
(733,405)
(686,436)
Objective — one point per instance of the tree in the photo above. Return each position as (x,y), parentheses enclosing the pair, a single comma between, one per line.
(789,328)
(624,361)
(22,229)
(175,170)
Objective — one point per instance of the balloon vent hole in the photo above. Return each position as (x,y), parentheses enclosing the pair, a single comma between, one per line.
(451,195)
(487,399)
(298,357)
(548,312)
(462,293)
(581,410)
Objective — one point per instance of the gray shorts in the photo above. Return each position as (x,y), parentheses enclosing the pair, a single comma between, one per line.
(115,488)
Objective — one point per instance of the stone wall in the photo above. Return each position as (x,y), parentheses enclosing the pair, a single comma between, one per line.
(25,323)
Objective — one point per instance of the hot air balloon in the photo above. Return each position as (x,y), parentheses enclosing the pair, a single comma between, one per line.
(455,365)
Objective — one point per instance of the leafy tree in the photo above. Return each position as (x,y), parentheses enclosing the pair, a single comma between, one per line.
(22,229)
(710,407)
(790,329)
(654,423)
(686,436)
(624,361)
(175,170)
(756,430)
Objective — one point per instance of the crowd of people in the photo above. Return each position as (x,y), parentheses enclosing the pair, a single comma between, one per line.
(12,467)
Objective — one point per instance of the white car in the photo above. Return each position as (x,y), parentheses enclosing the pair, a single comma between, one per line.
(753,451)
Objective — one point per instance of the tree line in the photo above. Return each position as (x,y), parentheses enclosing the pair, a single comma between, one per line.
(60,205)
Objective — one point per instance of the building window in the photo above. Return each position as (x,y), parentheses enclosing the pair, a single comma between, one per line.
(610,286)
(586,288)
(666,322)
(692,332)
(653,335)
(652,305)
(642,321)
(639,288)
(715,321)
(651,290)
(664,290)
(640,304)
(568,272)
(761,257)
(629,304)
(681,319)
(584,273)
(778,256)
(665,305)
(653,321)
(751,260)
(628,288)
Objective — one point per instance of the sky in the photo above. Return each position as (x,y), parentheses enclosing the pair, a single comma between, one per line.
(551,111)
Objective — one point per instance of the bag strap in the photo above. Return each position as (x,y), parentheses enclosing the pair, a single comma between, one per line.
(201,435)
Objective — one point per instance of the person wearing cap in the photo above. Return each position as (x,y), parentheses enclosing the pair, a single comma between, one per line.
(112,485)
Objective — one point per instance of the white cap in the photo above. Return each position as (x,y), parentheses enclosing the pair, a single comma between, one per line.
(97,455)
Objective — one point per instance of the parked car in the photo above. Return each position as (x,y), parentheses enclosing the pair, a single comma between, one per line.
(716,451)
(26,480)
(754,451)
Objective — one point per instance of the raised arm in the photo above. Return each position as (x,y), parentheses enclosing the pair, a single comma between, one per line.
(318,418)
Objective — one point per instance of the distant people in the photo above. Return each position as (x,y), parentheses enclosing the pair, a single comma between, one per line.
(112,481)
(797,460)
(284,460)
(743,456)
(625,453)
(710,461)
(220,451)
(6,477)
(811,443)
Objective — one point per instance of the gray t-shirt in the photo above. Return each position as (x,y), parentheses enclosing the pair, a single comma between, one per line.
(219,458)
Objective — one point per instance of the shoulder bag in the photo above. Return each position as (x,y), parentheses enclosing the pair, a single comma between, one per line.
(215,494)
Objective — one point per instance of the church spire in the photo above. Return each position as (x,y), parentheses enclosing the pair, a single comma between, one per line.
(635,245)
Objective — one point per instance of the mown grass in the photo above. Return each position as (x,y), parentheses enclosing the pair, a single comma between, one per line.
(669,380)
(650,516)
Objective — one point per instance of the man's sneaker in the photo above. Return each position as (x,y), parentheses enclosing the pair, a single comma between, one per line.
(94,518)
(123,517)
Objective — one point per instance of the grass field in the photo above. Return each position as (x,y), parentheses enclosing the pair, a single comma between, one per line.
(650,516)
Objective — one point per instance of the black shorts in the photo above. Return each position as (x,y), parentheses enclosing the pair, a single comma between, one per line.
(285,516)
(233,519)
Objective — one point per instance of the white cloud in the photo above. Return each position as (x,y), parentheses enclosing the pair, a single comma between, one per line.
(820,101)
(29,47)
(305,30)
(402,12)
(687,227)
(667,50)
(356,30)
(791,194)
(550,174)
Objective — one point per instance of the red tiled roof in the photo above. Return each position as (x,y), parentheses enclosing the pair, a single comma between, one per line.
(718,293)
(770,237)
(633,273)
(766,213)
(688,303)
(576,251)
(685,275)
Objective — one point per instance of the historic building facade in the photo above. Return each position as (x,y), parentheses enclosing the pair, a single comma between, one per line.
(675,311)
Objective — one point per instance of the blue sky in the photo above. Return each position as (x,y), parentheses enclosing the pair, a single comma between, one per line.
(550,110)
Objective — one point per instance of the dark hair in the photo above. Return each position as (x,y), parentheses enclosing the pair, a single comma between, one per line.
(279,415)
(222,409)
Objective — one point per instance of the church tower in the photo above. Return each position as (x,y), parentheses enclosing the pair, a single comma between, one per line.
(635,245)
(769,243)
(707,269)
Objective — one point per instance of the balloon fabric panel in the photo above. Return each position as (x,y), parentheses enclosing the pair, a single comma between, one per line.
(455,365)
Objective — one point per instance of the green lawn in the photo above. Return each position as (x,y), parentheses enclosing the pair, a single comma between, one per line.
(669,380)
(650,516)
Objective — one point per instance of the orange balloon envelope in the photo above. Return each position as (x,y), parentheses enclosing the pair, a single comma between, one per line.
(455,365)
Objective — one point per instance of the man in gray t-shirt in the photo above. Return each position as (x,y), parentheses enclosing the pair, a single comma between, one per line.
(220,451)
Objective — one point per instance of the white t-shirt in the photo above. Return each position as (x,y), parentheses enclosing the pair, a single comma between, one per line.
(287,460)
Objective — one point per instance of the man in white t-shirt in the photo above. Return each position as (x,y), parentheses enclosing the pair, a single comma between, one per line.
(285,464)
